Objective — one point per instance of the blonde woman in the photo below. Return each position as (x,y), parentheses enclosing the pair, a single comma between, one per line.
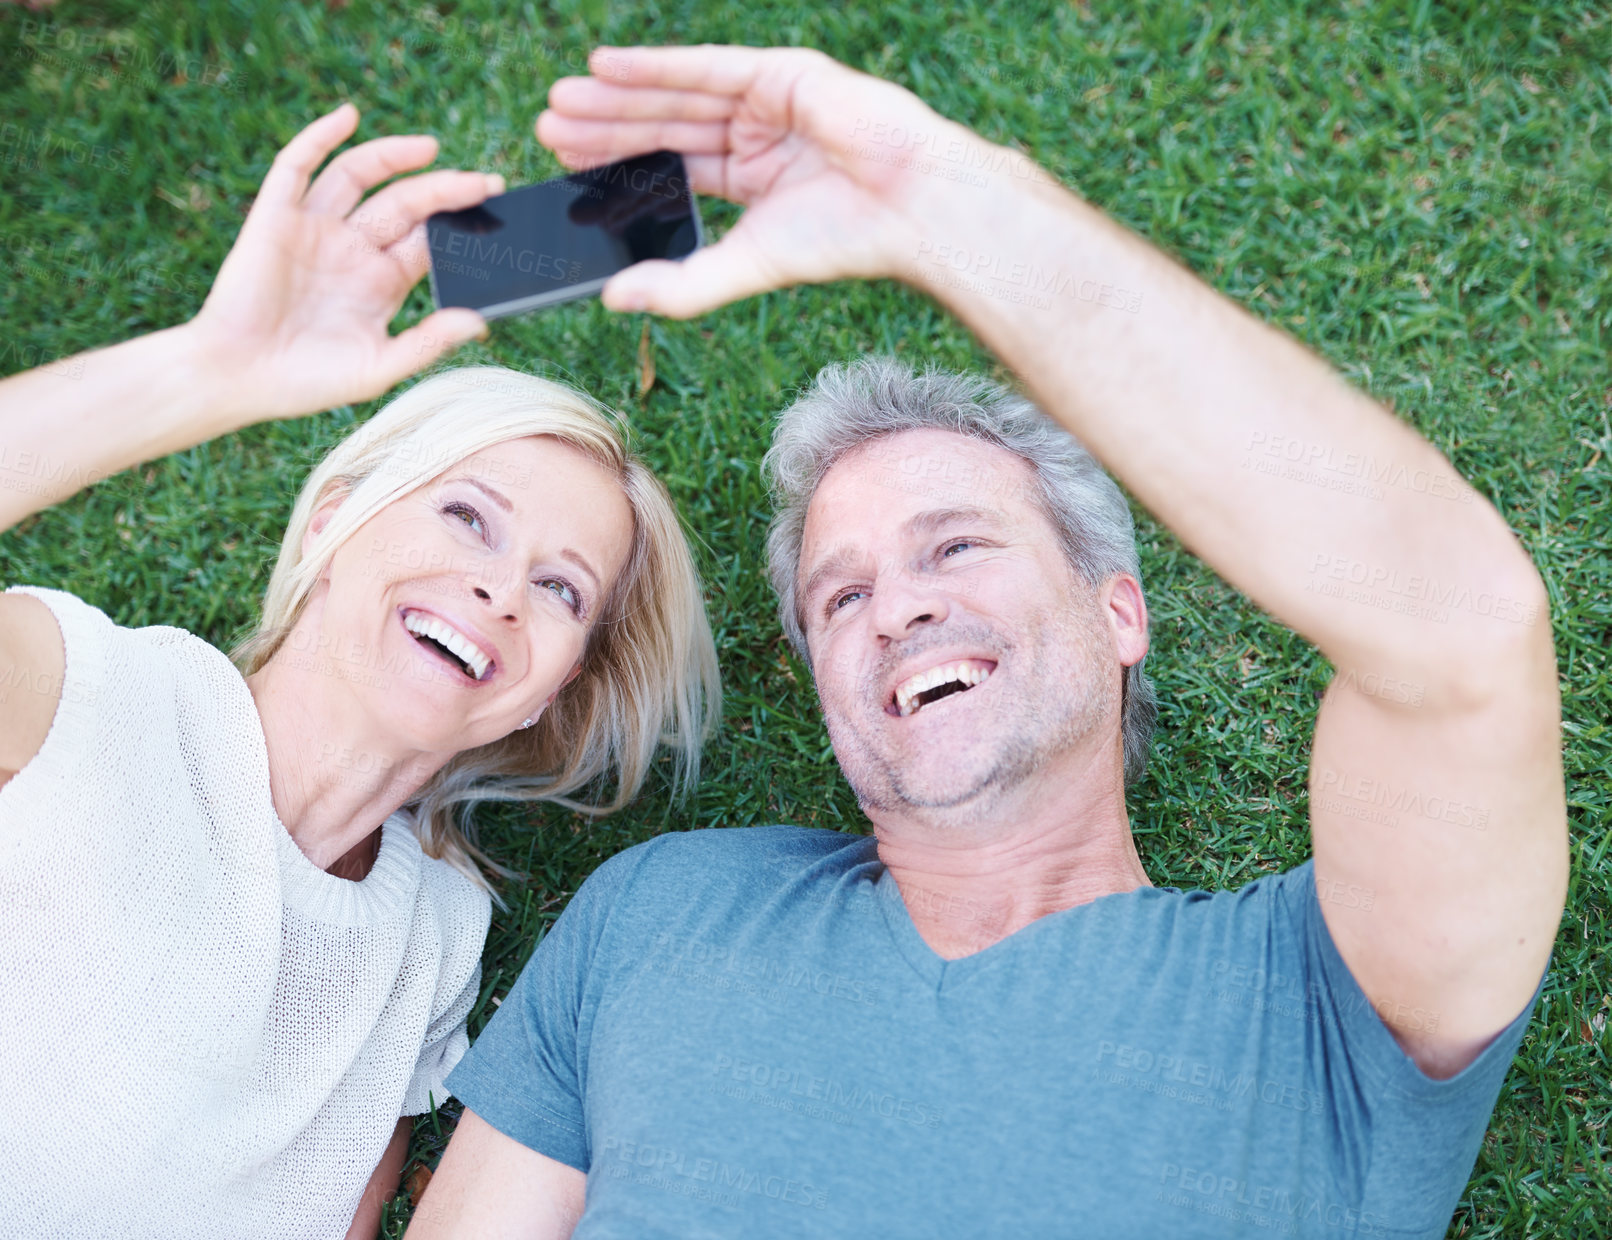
(242,924)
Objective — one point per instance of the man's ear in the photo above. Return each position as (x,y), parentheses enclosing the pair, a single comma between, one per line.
(1126,609)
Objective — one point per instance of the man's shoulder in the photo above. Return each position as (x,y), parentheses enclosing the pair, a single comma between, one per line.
(727,854)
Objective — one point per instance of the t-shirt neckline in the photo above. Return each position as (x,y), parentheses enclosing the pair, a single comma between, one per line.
(943,974)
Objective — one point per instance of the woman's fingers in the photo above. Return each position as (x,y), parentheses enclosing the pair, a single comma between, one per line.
(287,179)
(579,142)
(395,211)
(603,100)
(353,173)
(422,344)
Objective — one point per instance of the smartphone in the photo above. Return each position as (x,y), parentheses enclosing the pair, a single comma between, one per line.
(561,239)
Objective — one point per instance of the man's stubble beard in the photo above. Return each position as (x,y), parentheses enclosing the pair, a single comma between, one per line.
(1053,703)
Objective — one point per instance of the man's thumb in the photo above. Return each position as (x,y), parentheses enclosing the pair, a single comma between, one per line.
(706,279)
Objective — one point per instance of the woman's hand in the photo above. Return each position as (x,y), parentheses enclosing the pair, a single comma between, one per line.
(833,165)
(296,321)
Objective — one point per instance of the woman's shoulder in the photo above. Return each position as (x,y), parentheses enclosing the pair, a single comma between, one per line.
(458,900)
(87,628)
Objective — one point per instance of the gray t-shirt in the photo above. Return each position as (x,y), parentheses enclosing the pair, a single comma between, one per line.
(740,1033)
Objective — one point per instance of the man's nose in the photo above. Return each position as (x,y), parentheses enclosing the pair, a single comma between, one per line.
(903,601)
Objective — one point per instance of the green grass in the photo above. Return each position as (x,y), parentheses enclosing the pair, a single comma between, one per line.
(1420,197)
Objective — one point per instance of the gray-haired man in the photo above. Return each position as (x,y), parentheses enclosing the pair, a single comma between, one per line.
(983,1019)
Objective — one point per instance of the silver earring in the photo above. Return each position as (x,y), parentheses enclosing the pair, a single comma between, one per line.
(528,723)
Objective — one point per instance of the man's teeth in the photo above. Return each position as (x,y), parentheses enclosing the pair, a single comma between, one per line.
(966,674)
(429,626)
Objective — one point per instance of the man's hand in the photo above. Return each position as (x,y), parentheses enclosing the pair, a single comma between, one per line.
(296,321)
(801,140)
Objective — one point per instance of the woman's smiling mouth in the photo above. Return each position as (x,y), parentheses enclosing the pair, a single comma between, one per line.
(448,645)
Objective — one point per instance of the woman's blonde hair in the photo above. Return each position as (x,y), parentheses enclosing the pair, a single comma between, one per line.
(649,670)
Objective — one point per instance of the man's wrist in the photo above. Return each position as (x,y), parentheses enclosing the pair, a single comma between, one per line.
(1017,241)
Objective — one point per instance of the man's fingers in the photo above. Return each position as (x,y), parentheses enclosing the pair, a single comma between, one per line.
(599,99)
(394,212)
(714,69)
(706,279)
(579,142)
(707,174)
(355,172)
(287,179)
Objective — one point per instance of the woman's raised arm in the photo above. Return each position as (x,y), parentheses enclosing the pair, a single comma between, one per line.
(296,323)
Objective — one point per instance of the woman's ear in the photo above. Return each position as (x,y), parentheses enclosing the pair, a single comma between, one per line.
(570,676)
(321,518)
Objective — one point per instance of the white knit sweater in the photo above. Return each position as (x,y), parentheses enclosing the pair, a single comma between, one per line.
(208,1035)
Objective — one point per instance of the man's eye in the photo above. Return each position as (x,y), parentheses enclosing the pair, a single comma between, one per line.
(464,510)
(959,545)
(844,597)
(565,590)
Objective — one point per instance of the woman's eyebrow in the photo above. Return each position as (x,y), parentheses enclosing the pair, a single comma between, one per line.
(577,558)
(497,497)
(569,554)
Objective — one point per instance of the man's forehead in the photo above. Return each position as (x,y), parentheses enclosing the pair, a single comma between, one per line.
(884,483)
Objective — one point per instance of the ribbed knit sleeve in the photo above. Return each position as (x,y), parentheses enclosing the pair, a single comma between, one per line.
(468,912)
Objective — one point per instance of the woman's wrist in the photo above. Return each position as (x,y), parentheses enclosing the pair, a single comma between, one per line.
(212,374)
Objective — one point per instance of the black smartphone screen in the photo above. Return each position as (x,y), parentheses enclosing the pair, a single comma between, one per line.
(564,238)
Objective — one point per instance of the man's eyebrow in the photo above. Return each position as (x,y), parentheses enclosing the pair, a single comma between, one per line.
(926,522)
(835,563)
(929,521)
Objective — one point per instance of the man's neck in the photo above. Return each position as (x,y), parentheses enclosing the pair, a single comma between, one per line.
(971,883)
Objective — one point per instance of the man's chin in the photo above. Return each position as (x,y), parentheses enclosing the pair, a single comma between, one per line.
(932,785)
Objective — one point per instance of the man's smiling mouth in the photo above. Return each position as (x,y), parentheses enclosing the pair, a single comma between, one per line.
(940,681)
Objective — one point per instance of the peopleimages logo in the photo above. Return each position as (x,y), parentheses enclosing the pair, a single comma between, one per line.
(1437,597)
(691,957)
(640,180)
(1263,1205)
(830,1091)
(1195,1074)
(494,253)
(645,1163)
(1395,799)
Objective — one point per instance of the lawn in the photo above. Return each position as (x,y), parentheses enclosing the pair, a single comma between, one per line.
(1422,198)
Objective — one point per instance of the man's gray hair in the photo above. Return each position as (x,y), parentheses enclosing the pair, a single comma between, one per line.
(851,404)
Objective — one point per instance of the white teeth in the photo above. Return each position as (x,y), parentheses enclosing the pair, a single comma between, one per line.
(452,638)
(964,673)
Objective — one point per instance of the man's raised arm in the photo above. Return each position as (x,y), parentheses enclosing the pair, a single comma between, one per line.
(1436,782)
